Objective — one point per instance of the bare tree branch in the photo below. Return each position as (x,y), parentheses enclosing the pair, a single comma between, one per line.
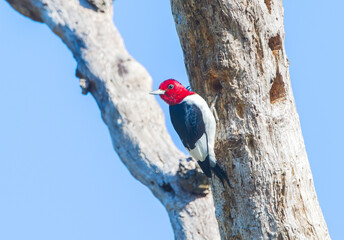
(120,86)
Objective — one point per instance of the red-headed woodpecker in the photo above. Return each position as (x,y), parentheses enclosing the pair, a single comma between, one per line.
(195,124)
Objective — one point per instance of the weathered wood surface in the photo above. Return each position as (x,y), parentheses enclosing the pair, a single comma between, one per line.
(236,48)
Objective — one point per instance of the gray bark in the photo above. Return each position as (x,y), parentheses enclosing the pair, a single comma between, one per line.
(235,48)
(121,86)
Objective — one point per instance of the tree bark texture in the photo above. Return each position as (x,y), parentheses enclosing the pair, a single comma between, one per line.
(121,86)
(235,48)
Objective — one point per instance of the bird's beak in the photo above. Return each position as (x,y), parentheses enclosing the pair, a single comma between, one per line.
(157,92)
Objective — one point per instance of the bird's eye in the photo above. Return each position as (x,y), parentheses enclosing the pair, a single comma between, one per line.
(170,86)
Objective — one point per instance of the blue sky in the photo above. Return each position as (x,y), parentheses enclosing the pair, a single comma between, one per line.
(59,176)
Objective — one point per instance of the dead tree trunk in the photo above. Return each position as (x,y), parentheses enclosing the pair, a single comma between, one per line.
(235,48)
(121,87)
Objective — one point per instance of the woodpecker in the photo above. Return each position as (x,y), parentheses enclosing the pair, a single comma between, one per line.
(194,123)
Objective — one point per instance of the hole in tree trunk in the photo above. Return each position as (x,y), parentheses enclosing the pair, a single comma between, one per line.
(213,79)
(275,43)
(277,91)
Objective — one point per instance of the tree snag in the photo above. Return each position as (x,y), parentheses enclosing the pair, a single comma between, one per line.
(236,49)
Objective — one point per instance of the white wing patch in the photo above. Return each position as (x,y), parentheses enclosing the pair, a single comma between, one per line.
(200,151)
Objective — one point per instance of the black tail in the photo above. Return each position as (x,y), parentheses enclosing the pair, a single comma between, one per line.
(222,175)
(206,166)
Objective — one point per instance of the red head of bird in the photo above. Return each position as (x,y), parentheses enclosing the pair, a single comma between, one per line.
(172,92)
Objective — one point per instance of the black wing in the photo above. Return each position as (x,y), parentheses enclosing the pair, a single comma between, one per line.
(188,122)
